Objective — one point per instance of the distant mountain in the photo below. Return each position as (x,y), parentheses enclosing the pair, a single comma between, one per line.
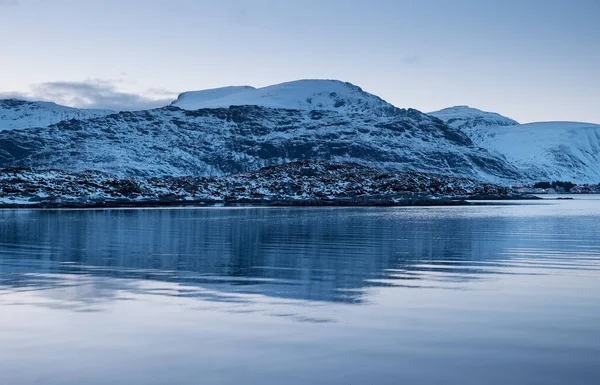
(305,95)
(568,151)
(18,114)
(466,118)
(549,151)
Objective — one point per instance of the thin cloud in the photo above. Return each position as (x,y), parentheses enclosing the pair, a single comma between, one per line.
(14,95)
(411,60)
(97,94)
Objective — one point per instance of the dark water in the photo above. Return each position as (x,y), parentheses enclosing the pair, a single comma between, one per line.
(457,295)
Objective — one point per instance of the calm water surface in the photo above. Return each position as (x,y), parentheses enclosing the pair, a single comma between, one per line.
(505,294)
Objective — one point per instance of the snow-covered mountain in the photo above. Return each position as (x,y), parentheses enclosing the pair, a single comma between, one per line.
(568,151)
(17,114)
(306,95)
(238,129)
(172,141)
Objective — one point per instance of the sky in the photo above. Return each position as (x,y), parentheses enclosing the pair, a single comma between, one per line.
(531,60)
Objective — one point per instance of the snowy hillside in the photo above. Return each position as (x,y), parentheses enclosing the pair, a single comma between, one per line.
(172,141)
(297,95)
(18,114)
(566,151)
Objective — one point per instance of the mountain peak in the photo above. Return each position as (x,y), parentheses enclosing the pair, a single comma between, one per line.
(465,117)
(305,94)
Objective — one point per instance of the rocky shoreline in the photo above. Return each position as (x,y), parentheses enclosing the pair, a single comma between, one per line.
(302,184)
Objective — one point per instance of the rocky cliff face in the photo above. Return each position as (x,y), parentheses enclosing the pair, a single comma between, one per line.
(172,141)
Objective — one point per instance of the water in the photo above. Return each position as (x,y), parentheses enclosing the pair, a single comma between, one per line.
(505,294)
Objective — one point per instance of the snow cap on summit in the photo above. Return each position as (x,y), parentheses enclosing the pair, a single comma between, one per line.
(308,94)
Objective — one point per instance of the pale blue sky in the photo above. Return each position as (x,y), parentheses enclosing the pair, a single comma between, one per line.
(528,59)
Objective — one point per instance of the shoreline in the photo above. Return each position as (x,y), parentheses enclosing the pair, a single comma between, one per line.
(337,202)
(296,184)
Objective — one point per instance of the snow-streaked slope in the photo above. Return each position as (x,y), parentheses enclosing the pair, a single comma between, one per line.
(297,95)
(567,151)
(466,118)
(172,141)
(18,114)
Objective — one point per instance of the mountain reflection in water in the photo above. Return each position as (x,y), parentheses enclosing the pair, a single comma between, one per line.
(324,255)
